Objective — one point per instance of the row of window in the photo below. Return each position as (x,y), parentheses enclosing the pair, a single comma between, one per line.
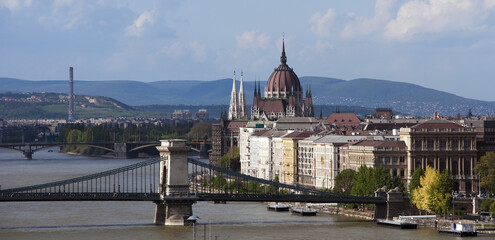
(442,144)
(391,160)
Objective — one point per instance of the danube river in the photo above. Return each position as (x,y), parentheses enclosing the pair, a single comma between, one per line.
(134,220)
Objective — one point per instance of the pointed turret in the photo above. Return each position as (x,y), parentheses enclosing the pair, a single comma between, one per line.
(283,58)
(242,101)
(233,112)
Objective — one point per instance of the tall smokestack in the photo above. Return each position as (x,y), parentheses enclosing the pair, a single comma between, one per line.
(71,95)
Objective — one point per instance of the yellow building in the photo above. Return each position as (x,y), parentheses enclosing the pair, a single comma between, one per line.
(289,156)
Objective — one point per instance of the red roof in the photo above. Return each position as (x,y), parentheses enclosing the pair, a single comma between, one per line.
(379,143)
(235,125)
(271,105)
(437,124)
(343,119)
(300,135)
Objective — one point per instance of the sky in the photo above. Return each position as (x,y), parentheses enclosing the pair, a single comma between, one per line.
(448,45)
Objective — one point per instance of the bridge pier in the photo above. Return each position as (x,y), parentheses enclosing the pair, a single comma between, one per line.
(28,155)
(120,150)
(175,204)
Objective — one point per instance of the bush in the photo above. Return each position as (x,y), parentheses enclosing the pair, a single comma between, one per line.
(492,209)
(485,204)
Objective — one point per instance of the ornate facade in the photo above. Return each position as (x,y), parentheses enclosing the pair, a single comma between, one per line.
(283,95)
(443,145)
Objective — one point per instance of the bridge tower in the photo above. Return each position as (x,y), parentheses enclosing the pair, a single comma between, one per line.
(175,204)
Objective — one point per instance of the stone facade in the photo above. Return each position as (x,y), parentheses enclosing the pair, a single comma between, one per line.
(443,145)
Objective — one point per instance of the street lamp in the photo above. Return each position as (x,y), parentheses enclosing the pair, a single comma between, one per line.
(193,219)
(453,212)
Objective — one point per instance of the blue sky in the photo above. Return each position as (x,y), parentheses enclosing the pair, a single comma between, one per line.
(447,45)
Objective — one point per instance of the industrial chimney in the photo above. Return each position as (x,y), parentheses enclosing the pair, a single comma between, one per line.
(71,95)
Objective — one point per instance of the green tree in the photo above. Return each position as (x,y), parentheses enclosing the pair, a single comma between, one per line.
(231,160)
(485,204)
(397,182)
(486,169)
(380,177)
(200,131)
(415,180)
(344,181)
(492,209)
(367,180)
(363,182)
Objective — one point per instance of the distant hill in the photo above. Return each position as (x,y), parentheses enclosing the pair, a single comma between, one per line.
(55,105)
(402,97)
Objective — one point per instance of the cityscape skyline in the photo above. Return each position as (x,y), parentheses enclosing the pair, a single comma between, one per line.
(444,45)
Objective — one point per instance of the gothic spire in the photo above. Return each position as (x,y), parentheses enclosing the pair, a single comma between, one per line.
(233,112)
(283,58)
(242,101)
(259,89)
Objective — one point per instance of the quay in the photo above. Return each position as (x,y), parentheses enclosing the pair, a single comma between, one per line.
(401,224)
(278,207)
(460,229)
(303,212)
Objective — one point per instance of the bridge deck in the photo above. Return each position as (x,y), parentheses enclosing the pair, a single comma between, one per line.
(324,198)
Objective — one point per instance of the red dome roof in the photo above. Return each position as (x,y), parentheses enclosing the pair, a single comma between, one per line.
(283,79)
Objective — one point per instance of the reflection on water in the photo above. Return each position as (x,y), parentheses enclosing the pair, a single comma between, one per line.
(133,220)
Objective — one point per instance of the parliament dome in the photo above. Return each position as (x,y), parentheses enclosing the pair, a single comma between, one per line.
(283,82)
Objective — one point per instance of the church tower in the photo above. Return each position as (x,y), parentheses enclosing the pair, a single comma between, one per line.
(233,110)
(242,101)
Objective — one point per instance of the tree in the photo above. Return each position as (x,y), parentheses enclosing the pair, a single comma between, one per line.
(344,181)
(200,131)
(231,159)
(381,177)
(397,182)
(492,209)
(485,204)
(363,183)
(486,169)
(433,194)
(415,180)
(368,180)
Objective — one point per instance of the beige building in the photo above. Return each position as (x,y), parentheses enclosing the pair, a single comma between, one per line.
(443,145)
(388,154)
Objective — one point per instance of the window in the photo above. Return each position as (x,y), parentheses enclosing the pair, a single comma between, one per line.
(394,160)
(417,144)
(430,144)
(443,144)
(402,172)
(467,144)
(402,159)
(455,144)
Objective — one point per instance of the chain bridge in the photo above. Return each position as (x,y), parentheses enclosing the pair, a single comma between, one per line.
(174,182)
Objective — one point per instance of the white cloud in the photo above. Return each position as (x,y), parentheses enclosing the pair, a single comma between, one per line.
(489,3)
(320,25)
(14,5)
(367,26)
(252,40)
(198,51)
(67,13)
(436,16)
(174,50)
(137,28)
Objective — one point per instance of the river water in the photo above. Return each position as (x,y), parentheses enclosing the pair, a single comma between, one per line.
(134,220)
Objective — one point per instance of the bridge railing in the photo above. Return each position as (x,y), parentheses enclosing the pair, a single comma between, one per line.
(142,177)
(210,179)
